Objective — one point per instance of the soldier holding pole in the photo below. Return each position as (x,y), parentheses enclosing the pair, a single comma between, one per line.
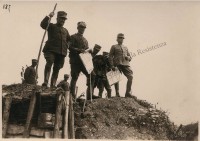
(55,49)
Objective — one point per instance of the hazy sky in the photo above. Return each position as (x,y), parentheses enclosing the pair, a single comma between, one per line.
(168,75)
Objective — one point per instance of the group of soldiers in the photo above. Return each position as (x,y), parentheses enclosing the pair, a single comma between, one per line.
(56,49)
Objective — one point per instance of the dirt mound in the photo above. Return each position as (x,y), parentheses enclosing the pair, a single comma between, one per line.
(122,118)
(114,118)
(21,91)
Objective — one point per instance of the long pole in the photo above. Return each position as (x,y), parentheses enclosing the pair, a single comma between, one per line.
(38,59)
(33,97)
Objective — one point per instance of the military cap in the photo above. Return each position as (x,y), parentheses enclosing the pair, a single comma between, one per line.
(120,35)
(97,47)
(34,61)
(83,24)
(66,75)
(62,14)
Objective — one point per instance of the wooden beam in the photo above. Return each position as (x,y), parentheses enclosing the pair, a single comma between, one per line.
(56,131)
(71,119)
(6,113)
(27,127)
(66,116)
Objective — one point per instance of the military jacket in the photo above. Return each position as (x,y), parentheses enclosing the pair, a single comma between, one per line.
(30,75)
(117,55)
(77,41)
(58,38)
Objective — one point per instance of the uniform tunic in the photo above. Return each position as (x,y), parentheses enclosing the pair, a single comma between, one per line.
(58,37)
(77,42)
(30,75)
(117,55)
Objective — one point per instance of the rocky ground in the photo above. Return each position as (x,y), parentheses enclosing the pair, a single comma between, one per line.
(114,118)
(122,118)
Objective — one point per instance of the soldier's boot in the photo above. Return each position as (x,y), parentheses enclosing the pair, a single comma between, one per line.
(109,93)
(53,82)
(54,78)
(73,87)
(100,93)
(117,89)
(47,72)
(89,94)
(128,89)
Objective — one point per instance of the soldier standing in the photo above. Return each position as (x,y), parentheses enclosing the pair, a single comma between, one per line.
(120,57)
(64,84)
(30,73)
(55,49)
(101,67)
(78,44)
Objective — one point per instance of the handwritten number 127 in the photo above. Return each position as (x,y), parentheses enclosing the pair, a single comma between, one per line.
(7,6)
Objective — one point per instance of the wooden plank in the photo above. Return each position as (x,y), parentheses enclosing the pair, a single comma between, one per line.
(47,93)
(30,115)
(66,116)
(49,134)
(56,133)
(71,119)
(37,132)
(6,113)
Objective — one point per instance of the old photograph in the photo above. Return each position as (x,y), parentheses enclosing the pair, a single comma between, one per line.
(120,70)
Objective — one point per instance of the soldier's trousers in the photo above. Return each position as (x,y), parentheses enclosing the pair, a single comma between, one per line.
(126,70)
(102,83)
(57,61)
(76,68)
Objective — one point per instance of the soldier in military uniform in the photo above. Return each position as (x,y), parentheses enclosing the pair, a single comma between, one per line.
(64,84)
(120,57)
(101,67)
(30,73)
(78,44)
(55,49)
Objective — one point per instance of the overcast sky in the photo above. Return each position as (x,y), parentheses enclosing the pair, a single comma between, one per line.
(168,75)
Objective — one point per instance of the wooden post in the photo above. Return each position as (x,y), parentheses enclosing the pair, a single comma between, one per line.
(71,119)
(6,113)
(56,132)
(76,92)
(66,116)
(91,87)
(27,127)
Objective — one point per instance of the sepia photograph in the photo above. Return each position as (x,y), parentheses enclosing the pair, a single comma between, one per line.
(119,70)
